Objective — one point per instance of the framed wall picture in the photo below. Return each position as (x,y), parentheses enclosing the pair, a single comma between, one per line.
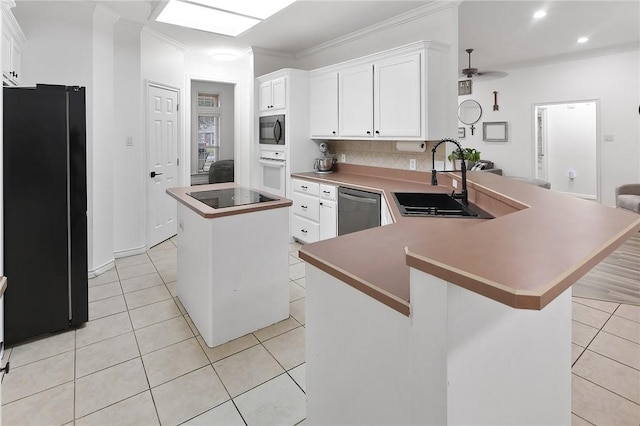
(464,87)
(494,131)
(461,132)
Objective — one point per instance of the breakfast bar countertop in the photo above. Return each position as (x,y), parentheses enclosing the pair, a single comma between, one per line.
(538,245)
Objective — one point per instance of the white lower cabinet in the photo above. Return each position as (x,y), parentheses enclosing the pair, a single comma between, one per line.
(315,211)
(328,219)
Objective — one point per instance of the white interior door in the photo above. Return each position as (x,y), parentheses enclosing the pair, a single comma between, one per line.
(162,163)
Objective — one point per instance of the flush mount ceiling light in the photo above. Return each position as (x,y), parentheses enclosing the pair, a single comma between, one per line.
(583,39)
(540,14)
(227,17)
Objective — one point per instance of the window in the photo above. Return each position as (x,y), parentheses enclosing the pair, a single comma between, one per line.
(207,138)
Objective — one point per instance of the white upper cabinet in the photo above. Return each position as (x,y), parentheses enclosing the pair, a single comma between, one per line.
(356,101)
(323,108)
(398,94)
(273,94)
(397,109)
(12,41)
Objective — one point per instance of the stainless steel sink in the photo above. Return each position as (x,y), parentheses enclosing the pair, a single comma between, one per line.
(436,204)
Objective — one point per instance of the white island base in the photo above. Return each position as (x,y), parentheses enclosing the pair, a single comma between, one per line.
(458,359)
(233,271)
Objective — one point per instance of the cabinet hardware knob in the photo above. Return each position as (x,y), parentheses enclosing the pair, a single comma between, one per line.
(377,132)
(368,132)
(304,231)
(334,132)
(304,207)
(303,187)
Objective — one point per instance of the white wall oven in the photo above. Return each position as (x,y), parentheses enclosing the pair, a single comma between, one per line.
(272,130)
(273,172)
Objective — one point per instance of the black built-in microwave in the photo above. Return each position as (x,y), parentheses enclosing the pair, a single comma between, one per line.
(272,130)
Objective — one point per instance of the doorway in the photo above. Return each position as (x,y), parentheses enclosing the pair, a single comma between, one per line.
(212,147)
(566,148)
(162,161)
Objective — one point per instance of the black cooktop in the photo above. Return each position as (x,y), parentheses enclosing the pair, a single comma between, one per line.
(230,197)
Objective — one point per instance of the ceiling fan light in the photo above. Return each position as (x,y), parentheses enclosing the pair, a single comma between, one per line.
(540,14)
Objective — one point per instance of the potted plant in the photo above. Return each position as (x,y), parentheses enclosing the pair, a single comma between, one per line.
(471,156)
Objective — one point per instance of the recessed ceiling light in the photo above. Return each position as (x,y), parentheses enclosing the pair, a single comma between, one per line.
(260,9)
(540,14)
(583,39)
(203,18)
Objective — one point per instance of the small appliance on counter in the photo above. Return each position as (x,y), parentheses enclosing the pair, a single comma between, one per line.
(324,164)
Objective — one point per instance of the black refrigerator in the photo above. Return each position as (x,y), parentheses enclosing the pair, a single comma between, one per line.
(45,210)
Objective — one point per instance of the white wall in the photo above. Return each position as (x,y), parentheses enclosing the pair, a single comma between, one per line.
(100,101)
(611,79)
(72,44)
(129,164)
(571,145)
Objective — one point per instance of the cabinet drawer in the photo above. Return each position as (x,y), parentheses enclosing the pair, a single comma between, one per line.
(306,206)
(304,230)
(328,192)
(305,187)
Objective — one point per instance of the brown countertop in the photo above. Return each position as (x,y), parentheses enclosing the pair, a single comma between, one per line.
(538,245)
(180,194)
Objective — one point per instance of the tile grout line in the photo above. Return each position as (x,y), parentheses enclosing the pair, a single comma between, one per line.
(608,390)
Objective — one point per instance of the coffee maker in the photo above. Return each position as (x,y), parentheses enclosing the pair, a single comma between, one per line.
(324,163)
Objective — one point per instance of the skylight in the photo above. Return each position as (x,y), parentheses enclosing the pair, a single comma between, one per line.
(227,17)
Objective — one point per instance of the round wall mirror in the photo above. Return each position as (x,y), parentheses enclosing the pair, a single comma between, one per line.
(469,111)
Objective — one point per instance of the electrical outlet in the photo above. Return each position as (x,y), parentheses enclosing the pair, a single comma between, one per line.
(129,141)
(343,158)
(454,183)
(412,164)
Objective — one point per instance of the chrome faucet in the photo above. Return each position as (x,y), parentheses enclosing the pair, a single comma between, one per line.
(463,168)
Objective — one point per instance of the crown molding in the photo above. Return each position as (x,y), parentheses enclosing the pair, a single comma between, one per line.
(592,53)
(164,38)
(106,11)
(7,4)
(412,15)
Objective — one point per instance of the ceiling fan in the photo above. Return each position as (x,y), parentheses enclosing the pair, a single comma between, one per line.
(471,72)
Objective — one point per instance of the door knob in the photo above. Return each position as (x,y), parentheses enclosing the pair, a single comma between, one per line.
(154,174)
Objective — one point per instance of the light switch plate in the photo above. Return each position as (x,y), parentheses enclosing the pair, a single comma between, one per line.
(343,158)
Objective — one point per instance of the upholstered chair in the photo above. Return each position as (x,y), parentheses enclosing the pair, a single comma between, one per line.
(628,197)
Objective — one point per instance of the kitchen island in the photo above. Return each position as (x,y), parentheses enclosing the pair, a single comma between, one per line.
(451,321)
(233,264)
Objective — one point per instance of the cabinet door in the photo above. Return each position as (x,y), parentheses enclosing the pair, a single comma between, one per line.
(279,93)
(328,219)
(265,96)
(397,108)
(356,102)
(323,107)
(6,54)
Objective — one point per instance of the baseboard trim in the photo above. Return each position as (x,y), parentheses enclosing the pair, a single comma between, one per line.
(102,269)
(129,252)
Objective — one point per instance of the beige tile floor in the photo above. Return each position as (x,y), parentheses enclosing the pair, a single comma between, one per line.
(140,360)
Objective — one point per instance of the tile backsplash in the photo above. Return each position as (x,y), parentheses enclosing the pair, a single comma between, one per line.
(384,154)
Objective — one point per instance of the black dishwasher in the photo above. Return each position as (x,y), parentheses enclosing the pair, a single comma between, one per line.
(357,210)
